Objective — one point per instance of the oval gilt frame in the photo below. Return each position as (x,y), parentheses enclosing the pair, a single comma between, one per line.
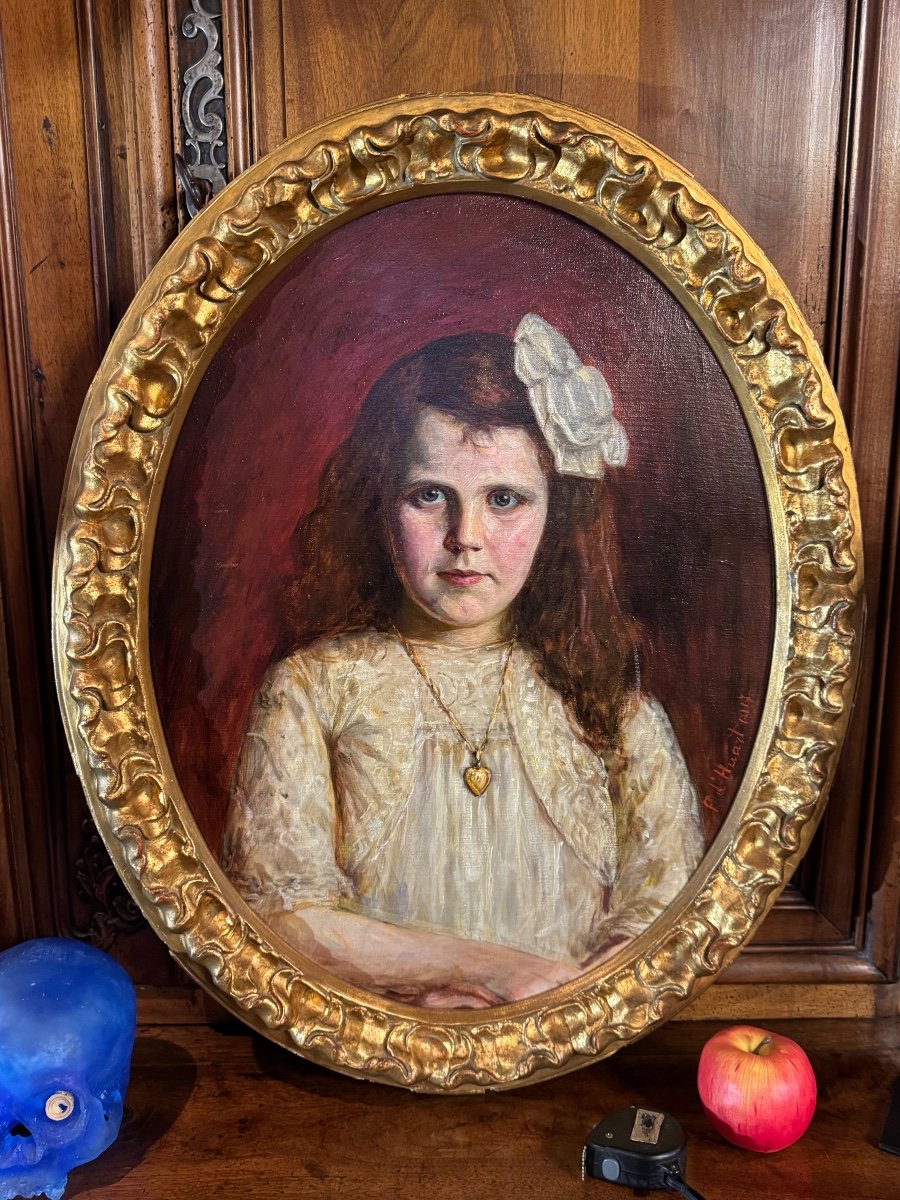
(653,208)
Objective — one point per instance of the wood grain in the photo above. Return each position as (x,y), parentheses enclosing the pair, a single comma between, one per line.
(872,340)
(237,85)
(789,112)
(43,83)
(213,1112)
(128,130)
(35,796)
(16,918)
(16,907)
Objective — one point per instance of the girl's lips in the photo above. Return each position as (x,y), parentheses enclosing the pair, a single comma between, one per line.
(461,578)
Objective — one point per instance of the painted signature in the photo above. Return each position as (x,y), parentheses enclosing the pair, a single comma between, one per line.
(722,777)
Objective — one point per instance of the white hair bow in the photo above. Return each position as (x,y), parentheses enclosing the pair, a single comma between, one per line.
(572,402)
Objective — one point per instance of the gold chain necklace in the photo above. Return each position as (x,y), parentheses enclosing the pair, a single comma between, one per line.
(477,776)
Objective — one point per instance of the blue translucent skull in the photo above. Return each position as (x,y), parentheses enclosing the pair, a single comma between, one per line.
(67,1023)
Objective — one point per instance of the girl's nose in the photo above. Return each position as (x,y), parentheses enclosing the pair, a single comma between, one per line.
(465,532)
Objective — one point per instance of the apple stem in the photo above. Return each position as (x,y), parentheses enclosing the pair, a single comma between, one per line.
(765,1042)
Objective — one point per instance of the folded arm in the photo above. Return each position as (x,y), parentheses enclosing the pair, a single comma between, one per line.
(418,965)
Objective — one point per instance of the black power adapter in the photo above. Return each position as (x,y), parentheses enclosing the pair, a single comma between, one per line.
(639,1148)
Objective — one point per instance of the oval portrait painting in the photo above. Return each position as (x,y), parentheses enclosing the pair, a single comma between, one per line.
(458,592)
(462,600)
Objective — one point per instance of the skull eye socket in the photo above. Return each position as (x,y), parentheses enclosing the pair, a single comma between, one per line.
(59,1106)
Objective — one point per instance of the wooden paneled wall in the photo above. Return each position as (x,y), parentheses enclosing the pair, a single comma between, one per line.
(787,110)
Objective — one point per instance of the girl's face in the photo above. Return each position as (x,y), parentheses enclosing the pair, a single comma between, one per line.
(468,520)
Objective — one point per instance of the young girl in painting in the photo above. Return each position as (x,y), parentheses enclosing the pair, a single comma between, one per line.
(452,791)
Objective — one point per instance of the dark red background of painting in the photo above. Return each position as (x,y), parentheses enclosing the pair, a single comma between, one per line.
(285,387)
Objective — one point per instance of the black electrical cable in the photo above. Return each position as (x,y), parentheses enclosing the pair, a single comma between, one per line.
(674,1183)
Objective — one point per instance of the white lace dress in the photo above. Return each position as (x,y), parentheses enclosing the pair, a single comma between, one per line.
(349,792)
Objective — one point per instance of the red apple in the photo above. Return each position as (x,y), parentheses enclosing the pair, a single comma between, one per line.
(758,1088)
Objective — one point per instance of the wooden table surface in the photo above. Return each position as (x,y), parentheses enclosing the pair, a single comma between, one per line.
(217,1113)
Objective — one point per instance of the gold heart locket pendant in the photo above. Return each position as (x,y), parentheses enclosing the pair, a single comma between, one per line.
(477,779)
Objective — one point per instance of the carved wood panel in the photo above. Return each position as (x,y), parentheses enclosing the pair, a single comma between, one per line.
(788,113)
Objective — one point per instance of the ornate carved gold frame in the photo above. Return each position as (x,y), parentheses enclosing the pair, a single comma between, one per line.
(654,209)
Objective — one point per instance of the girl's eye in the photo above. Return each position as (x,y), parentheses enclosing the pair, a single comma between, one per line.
(428,496)
(504,499)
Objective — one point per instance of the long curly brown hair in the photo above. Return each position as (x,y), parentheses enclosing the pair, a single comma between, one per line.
(566,613)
